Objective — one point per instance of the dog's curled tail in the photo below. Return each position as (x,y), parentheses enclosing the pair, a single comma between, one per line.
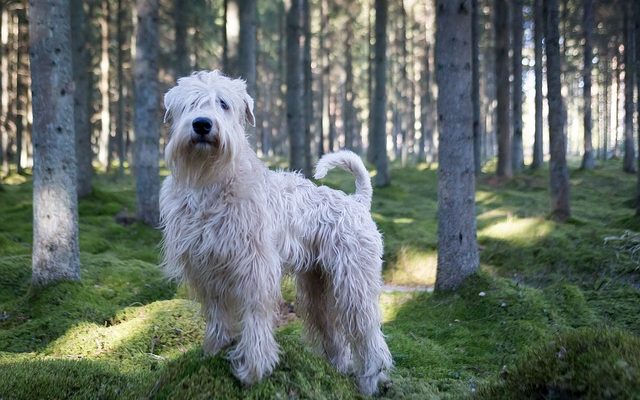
(352,163)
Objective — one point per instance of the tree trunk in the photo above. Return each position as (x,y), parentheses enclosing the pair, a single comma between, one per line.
(231,36)
(501,11)
(475,87)
(637,29)
(324,75)
(120,117)
(180,23)
(538,149)
(517,30)
(629,160)
(379,107)
(606,108)
(588,159)
(82,97)
(295,117)
(307,95)
(348,113)
(370,50)
(457,248)
(247,54)
(105,117)
(426,136)
(22,88)
(559,175)
(55,207)
(147,116)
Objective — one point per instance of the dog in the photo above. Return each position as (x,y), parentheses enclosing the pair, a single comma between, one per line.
(232,228)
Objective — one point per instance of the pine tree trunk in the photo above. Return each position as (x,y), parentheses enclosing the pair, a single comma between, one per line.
(457,248)
(295,117)
(559,175)
(426,137)
(180,23)
(379,106)
(231,36)
(475,87)
(588,159)
(22,88)
(3,135)
(501,11)
(349,94)
(82,97)
(324,76)
(629,159)
(517,31)
(538,149)
(55,208)
(120,117)
(247,54)
(607,107)
(147,115)
(307,95)
(637,36)
(104,155)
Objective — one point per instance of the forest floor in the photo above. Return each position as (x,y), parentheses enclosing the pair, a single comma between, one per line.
(554,312)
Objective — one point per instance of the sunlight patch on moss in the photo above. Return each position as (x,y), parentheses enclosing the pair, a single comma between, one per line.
(413,267)
(517,229)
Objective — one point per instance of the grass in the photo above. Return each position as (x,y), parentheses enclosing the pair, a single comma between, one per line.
(553,313)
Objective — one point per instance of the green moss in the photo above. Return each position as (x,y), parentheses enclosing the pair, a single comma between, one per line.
(585,363)
(125,332)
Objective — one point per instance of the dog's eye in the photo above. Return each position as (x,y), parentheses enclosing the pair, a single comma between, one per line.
(224,105)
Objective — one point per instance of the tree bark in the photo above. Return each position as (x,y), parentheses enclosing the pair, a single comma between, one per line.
(637,36)
(559,175)
(538,149)
(381,160)
(457,248)
(22,88)
(588,159)
(231,36)
(295,117)
(104,152)
(180,23)
(475,87)
(501,12)
(629,159)
(82,97)
(120,112)
(147,116)
(307,95)
(517,29)
(348,112)
(247,54)
(55,207)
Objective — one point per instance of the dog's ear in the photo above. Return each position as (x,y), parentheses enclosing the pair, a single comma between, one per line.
(248,110)
(169,103)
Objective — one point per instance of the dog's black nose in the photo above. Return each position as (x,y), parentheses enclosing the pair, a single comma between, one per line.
(202,125)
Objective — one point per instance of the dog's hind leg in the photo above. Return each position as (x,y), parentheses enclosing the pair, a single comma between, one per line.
(356,285)
(316,306)
(257,295)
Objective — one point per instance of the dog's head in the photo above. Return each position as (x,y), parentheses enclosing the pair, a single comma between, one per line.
(208,113)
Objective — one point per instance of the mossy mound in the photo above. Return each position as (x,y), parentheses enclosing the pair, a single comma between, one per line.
(580,364)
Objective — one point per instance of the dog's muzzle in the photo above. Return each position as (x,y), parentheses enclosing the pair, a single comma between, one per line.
(204,132)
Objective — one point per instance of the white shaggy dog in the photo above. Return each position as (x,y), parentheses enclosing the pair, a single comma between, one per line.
(232,227)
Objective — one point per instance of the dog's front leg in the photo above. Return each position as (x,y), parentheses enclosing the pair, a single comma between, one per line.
(256,352)
(217,334)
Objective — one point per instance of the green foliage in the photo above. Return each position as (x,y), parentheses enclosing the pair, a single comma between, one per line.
(553,312)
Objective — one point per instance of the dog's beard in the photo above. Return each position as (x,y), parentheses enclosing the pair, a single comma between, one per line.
(199,162)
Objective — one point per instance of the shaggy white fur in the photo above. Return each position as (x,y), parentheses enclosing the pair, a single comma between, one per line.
(232,227)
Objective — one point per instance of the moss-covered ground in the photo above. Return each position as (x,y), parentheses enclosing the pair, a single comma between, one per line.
(554,313)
